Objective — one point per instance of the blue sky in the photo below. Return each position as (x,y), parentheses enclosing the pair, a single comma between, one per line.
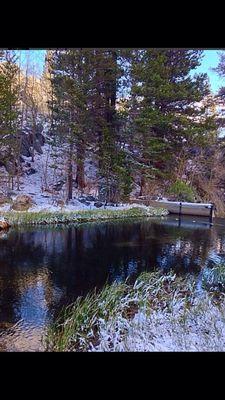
(209,61)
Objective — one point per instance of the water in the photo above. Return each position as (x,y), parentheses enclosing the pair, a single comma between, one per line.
(45,268)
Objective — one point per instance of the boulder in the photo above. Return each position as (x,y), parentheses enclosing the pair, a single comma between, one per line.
(98,204)
(90,198)
(4,224)
(22,203)
(110,204)
(25,147)
(31,171)
(37,146)
(82,199)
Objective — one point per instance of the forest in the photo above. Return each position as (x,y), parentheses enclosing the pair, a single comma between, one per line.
(113,124)
(96,146)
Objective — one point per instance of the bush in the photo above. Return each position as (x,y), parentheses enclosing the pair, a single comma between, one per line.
(214,278)
(182,191)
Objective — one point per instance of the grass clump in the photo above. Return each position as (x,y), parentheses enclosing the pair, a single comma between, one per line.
(79,326)
(35,218)
(213,279)
(157,313)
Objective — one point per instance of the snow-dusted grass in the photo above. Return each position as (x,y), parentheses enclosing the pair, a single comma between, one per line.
(157,313)
(214,278)
(47,217)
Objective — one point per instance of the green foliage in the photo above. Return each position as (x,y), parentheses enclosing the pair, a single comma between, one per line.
(182,191)
(213,279)
(44,218)
(78,326)
(165,118)
(9,109)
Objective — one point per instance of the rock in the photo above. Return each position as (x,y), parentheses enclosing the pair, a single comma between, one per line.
(87,203)
(25,147)
(37,147)
(58,186)
(11,193)
(98,204)
(9,166)
(4,224)
(90,198)
(110,204)
(82,199)
(24,198)
(31,171)
(22,203)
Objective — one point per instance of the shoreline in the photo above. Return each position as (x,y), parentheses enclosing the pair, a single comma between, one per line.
(64,217)
(159,312)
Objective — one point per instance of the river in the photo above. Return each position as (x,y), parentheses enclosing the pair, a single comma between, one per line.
(44,268)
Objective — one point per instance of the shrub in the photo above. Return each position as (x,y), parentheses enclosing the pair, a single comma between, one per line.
(182,191)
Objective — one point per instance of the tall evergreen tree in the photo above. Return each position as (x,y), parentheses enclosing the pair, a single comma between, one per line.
(85,88)
(70,76)
(109,76)
(9,113)
(164,114)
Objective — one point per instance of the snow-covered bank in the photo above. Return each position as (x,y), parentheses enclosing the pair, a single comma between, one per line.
(69,216)
(158,313)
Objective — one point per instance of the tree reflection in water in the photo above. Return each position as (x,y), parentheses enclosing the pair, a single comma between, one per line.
(44,268)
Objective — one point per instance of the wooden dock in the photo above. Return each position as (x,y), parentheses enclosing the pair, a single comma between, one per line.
(181,207)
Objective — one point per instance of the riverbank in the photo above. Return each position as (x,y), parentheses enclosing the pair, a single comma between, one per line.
(157,313)
(63,217)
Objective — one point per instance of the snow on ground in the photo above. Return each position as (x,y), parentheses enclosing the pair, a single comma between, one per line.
(38,185)
(200,328)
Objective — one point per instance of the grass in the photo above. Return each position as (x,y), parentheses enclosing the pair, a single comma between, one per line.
(157,313)
(214,278)
(35,218)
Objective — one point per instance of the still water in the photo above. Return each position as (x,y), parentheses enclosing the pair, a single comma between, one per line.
(45,268)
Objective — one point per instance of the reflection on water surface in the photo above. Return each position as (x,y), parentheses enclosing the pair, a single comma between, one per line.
(44,268)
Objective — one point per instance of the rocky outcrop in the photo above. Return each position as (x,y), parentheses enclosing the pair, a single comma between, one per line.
(30,140)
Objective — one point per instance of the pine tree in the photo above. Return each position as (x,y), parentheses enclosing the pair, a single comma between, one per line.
(70,76)
(85,88)
(113,174)
(164,115)
(9,113)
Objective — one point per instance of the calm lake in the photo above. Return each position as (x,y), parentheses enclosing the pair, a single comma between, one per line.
(45,268)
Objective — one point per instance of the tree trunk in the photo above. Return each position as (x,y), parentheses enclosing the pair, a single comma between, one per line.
(142,184)
(69,175)
(80,181)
